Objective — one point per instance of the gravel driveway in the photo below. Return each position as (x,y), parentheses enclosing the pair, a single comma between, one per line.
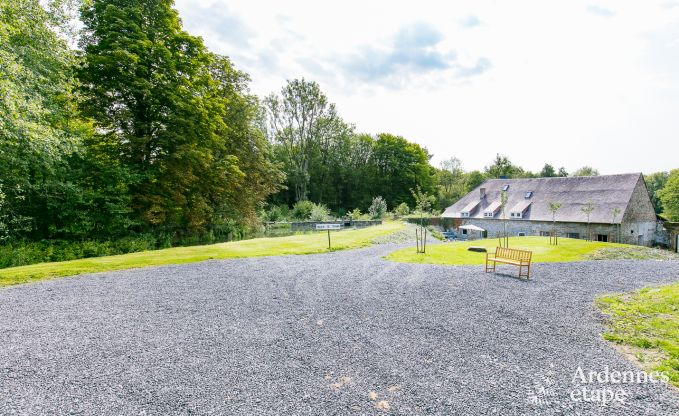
(340,333)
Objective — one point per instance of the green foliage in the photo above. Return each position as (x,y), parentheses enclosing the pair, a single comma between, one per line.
(295,244)
(23,253)
(655,182)
(402,209)
(502,167)
(548,171)
(423,201)
(319,212)
(457,254)
(326,162)
(378,208)
(276,213)
(586,171)
(669,196)
(302,210)
(647,319)
(174,116)
(356,214)
(305,126)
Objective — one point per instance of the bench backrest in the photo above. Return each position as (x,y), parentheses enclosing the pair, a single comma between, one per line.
(513,254)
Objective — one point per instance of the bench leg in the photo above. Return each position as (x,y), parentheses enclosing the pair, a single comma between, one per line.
(490,269)
(527,274)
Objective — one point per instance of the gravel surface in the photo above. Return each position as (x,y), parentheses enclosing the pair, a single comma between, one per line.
(339,333)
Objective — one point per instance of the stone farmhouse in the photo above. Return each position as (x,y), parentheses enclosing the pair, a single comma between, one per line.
(621,209)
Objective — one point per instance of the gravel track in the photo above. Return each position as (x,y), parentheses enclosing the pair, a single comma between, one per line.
(317,334)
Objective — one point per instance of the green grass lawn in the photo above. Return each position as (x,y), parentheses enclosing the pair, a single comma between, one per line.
(296,244)
(646,323)
(456,253)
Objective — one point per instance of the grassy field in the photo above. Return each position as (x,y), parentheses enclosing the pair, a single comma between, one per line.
(296,244)
(645,324)
(455,253)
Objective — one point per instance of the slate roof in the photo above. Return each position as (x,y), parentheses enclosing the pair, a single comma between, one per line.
(606,192)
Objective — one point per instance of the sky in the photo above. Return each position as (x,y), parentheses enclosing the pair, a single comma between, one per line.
(570,83)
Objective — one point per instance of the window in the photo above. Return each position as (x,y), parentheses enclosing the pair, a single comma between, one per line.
(602,237)
(516,214)
(572,235)
(488,214)
(465,214)
(529,194)
(521,234)
(504,188)
(544,233)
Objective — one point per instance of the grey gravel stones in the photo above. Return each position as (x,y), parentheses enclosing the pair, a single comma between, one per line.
(339,333)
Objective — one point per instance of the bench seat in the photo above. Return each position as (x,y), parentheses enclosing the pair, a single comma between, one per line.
(510,256)
(508,261)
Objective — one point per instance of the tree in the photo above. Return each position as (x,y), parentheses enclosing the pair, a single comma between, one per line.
(402,209)
(669,196)
(399,166)
(473,179)
(450,179)
(586,171)
(423,204)
(41,133)
(301,119)
(554,207)
(587,210)
(655,182)
(378,208)
(161,102)
(503,209)
(547,171)
(244,139)
(502,167)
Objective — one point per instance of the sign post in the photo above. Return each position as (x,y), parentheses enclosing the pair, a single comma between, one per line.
(328,227)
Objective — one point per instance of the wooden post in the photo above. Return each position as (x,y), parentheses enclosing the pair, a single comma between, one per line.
(328,239)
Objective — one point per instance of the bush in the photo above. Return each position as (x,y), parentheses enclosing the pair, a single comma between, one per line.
(23,253)
(402,209)
(378,208)
(319,212)
(302,210)
(355,215)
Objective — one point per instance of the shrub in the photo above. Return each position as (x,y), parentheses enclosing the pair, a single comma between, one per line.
(355,214)
(378,208)
(319,212)
(275,213)
(402,209)
(22,253)
(302,210)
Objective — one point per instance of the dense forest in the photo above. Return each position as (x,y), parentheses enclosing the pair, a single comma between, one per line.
(129,134)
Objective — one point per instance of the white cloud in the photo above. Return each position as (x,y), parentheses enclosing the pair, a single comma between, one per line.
(569,83)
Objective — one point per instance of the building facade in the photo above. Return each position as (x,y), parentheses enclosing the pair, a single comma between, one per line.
(605,208)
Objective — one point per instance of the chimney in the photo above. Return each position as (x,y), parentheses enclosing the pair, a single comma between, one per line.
(483,193)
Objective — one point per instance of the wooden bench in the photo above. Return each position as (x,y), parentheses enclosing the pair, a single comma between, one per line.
(512,256)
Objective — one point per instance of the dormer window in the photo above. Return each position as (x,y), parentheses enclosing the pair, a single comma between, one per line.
(491,209)
(519,209)
(465,214)
(529,194)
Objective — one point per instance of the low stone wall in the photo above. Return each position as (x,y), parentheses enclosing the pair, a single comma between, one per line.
(311,226)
